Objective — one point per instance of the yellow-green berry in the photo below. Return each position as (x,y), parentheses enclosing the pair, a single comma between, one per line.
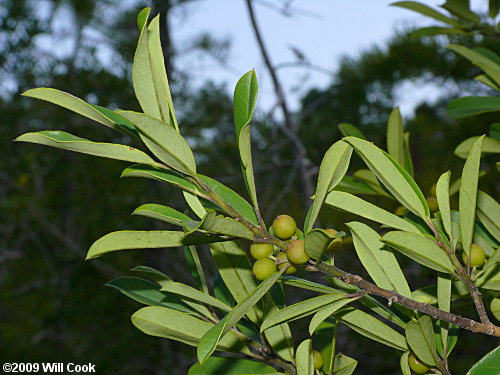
(432,190)
(284,226)
(318,360)
(401,211)
(291,269)
(432,202)
(336,243)
(263,268)
(261,250)
(477,256)
(296,252)
(416,366)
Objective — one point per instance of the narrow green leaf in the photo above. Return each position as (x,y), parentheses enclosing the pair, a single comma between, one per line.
(142,17)
(160,174)
(148,293)
(427,11)
(488,212)
(224,225)
(344,365)
(444,302)
(350,130)
(194,294)
(380,262)
(468,195)
(371,327)
(317,242)
(164,213)
(212,337)
(308,285)
(420,337)
(304,358)
(231,366)
(171,324)
(461,10)
(301,309)
(128,239)
(333,167)
(443,198)
(368,177)
(67,141)
(392,176)
(405,367)
(473,105)
(485,59)
(164,141)
(490,279)
(488,365)
(494,260)
(236,272)
(493,8)
(408,160)
(351,203)
(395,136)
(120,122)
(421,249)
(194,202)
(245,97)
(194,264)
(352,185)
(280,336)
(157,276)
(489,146)
(326,312)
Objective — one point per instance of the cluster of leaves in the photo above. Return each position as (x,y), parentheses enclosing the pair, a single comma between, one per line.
(250,318)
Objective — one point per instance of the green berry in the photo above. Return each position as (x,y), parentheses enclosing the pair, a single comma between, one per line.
(284,227)
(416,366)
(263,268)
(336,243)
(432,202)
(261,250)
(318,360)
(432,190)
(401,211)
(477,256)
(296,252)
(291,269)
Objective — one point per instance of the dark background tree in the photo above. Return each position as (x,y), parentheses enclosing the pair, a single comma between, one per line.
(53,305)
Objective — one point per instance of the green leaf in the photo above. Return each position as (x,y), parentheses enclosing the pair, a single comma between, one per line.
(194,294)
(236,272)
(163,213)
(493,8)
(148,293)
(304,358)
(490,279)
(160,174)
(392,176)
(444,302)
(212,337)
(462,10)
(128,239)
(164,141)
(371,327)
(301,309)
(489,146)
(352,185)
(443,198)
(494,260)
(333,167)
(245,97)
(486,59)
(317,241)
(224,225)
(350,130)
(231,366)
(326,312)
(408,161)
(171,324)
(308,285)
(234,199)
(142,17)
(488,212)
(435,30)
(488,365)
(344,365)
(403,362)
(380,262)
(395,136)
(495,131)
(120,122)
(157,276)
(67,141)
(351,203)
(279,337)
(421,249)
(194,265)
(420,337)
(473,105)
(468,195)
(368,177)
(427,11)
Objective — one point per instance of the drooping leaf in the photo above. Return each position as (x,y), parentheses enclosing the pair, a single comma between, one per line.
(392,175)
(128,239)
(163,141)
(443,198)
(351,203)
(468,195)
(379,261)
(231,366)
(301,309)
(245,97)
(148,293)
(473,105)
(171,324)
(350,130)
(304,358)
(371,327)
(395,136)
(67,141)
(488,212)
(488,365)
(333,167)
(420,337)
(421,249)
(236,272)
(325,312)
(427,11)
(212,337)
